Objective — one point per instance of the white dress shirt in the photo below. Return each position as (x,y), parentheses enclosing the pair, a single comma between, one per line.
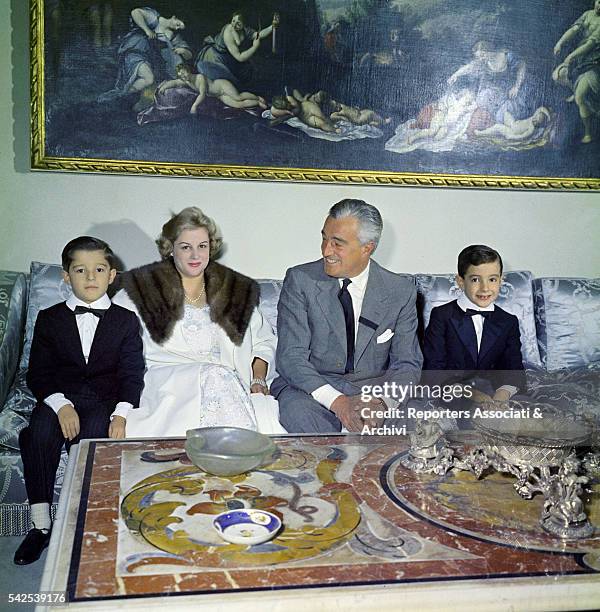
(327,394)
(478,321)
(86,325)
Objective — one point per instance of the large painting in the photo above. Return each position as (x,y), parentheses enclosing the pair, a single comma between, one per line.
(465,93)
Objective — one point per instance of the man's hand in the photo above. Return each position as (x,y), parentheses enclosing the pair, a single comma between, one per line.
(480,397)
(116,429)
(501,395)
(69,421)
(347,409)
(369,410)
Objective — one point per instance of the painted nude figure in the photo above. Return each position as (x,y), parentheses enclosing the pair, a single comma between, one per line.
(517,129)
(312,109)
(357,116)
(580,70)
(222,89)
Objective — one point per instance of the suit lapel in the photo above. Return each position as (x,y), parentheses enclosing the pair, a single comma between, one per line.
(373,309)
(327,298)
(465,330)
(101,335)
(72,340)
(491,331)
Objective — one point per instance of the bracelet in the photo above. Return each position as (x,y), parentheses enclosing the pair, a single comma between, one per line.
(259,381)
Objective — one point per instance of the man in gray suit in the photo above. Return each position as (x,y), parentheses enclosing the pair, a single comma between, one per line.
(344,322)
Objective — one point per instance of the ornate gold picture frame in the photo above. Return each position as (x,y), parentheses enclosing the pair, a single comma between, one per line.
(498,94)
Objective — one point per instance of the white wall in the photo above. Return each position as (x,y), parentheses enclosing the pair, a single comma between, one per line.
(267,226)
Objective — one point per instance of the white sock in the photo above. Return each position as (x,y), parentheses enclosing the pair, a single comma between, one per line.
(40,516)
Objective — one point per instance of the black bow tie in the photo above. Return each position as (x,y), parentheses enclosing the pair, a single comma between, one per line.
(471,312)
(97,312)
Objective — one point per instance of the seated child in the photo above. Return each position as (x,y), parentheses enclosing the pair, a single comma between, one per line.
(86,370)
(472,334)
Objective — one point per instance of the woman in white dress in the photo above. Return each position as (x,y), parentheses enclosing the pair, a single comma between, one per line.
(208,349)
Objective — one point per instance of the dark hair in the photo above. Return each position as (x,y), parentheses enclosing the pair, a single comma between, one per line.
(475,255)
(86,243)
(370,224)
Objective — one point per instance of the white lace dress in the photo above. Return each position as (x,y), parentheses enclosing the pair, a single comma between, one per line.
(186,384)
(222,398)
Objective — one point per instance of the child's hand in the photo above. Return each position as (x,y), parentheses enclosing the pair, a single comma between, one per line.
(116,429)
(69,421)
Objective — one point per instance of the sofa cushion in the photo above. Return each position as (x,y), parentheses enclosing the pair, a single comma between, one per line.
(516,297)
(13,293)
(15,416)
(269,297)
(574,390)
(568,321)
(46,288)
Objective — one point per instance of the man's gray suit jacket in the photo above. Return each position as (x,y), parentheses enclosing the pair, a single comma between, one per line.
(311,350)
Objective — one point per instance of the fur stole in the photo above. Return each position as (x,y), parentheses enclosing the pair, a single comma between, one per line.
(157,292)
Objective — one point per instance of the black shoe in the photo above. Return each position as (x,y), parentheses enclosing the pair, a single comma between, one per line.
(32,547)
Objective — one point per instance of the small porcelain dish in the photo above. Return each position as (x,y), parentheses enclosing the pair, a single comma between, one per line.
(247,526)
(228,451)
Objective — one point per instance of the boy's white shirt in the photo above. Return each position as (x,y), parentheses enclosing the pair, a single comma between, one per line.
(86,325)
(463,303)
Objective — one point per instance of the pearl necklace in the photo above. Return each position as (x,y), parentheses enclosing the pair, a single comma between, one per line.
(193,301)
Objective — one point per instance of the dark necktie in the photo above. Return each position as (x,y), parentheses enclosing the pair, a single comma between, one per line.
(97,312)
(471,312)
(346,301)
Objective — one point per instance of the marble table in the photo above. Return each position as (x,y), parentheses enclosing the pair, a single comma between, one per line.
(361,532)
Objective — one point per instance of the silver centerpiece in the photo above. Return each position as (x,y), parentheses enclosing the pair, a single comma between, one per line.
(534,442)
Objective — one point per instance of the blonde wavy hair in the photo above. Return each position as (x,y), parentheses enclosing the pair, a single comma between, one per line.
(188,219)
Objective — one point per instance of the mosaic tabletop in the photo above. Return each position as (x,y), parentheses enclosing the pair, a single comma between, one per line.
(351,513)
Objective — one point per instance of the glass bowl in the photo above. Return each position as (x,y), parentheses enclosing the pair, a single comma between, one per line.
(227,451)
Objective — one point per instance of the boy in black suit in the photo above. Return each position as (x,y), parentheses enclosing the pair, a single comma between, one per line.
(86,370)
(472,334)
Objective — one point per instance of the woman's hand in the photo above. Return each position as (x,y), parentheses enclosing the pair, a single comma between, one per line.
(151,34)
(259,386)
(275,21)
